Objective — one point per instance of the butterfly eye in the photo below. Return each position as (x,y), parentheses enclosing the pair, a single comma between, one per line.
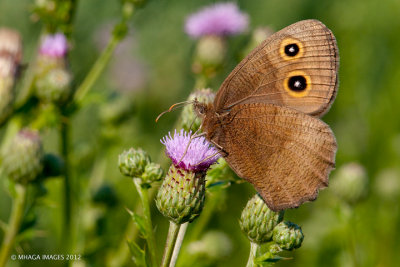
(291,49)
(297,83)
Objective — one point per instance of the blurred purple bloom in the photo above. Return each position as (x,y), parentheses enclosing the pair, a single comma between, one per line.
(218,19)
(54,45)
(197,157)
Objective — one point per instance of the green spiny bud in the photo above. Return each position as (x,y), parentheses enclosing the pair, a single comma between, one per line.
(350,182)
(288,235)
(258,221)
(181,195)
(189,118)
(54,85)
(133,162)
(152,173)
(22,158)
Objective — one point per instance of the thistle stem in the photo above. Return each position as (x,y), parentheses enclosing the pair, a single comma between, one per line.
(253,253)
(14,223)
(96,70)
(68,184)
(170,244)
(178,244)
(151,241)
(104,57)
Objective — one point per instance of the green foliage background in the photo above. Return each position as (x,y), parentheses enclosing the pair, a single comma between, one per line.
(364,118)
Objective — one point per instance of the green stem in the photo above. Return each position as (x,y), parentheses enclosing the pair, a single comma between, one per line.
(68,185)
(14,223)
(253,253)
(170,244)
(151,241)
(96,70)
(177,248)
(122,254)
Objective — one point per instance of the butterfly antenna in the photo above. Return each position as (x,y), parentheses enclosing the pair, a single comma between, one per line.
(174,106)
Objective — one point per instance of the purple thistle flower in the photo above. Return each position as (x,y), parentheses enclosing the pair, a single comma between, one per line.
(218,19)
(55,45)
(199,155)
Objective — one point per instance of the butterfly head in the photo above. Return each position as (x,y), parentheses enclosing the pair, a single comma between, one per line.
(201,109)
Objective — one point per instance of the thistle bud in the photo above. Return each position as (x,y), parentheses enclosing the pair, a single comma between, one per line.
(133,162)
(182,193)
(211,50)
(10,57)
(22,158)
(54,85)
(258,221)
(152,173)
(350,182)
(288,235)
(52,78)
(52,52)
(189,118)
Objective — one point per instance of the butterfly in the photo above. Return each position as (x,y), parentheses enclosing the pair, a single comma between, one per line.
(265,116)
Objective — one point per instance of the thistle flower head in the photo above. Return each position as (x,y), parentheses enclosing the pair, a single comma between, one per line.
(55,45)
(218,19)
(22,158)
(200,155)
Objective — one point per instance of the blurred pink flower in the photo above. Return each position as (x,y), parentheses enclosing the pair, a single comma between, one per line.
(218,19)
(55,45)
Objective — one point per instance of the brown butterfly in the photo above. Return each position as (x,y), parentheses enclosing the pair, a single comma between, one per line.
(265,116)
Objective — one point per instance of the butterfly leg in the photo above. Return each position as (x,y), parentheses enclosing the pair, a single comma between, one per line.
(193,136)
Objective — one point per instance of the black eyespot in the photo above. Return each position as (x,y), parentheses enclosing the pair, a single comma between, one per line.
(292,50)
(297,83)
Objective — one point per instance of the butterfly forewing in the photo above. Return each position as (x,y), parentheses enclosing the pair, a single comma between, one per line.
(295,67)
(285,154)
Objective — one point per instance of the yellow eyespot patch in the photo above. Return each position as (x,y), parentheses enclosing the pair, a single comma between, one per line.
(297,83)
(291,49)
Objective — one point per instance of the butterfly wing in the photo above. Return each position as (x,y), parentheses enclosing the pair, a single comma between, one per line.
(295,67)
(285,154)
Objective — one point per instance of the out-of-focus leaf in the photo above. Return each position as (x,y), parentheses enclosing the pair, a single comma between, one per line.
(140,223)
(268,258)
(138,254)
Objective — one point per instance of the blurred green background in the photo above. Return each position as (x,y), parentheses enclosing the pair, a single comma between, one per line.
(151,70)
